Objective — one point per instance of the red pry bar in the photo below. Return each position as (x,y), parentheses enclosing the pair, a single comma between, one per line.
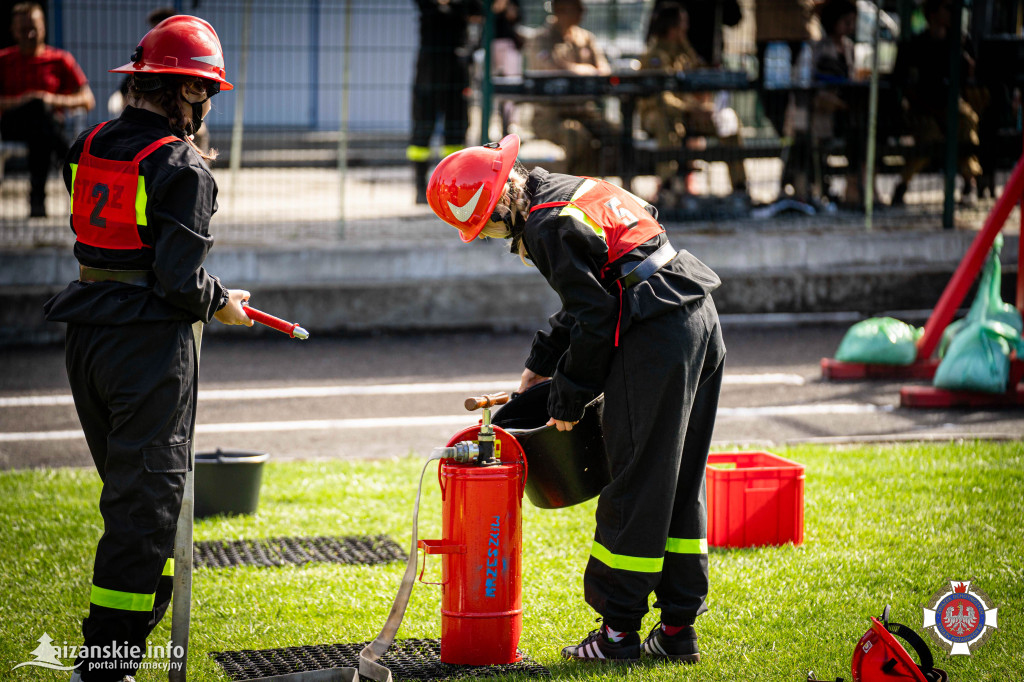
(292,329)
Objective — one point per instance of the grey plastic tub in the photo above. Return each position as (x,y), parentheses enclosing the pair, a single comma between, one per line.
(228,482)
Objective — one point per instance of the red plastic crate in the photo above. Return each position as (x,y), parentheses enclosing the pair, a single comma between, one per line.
(754,498)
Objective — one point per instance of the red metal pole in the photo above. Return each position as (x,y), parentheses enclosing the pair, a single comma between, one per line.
(968,269)
(1020,251)
(292,329)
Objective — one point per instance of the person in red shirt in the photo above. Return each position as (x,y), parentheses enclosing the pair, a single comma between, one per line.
(38,83)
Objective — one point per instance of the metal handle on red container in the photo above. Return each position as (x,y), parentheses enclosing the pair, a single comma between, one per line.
(437,547)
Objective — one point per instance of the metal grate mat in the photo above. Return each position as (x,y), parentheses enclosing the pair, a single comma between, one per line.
(375,549)
(408,659)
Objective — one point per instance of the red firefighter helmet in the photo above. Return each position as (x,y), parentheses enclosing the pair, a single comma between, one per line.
(182,45)
(879,657)
(465,187)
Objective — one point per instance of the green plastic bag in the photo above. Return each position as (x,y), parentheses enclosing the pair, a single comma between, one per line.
(881,341)
(951,331)
(978,358)
(975,351)
(988,302)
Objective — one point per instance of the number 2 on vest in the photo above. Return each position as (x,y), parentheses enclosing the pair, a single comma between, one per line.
(103,193)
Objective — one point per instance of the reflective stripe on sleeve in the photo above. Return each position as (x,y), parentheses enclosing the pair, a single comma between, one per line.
(687,546)
(168,568)
(74,172)
(123,601)
(639,564)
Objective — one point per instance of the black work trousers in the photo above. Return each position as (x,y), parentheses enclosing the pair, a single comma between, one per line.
(440,90)
(135,390)
(661,398)
(43,131)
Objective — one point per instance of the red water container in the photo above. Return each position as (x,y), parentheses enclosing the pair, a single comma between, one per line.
(481,568)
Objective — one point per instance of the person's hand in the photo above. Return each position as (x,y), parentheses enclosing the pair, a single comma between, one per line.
(529,378)
(562,425)
(233,311)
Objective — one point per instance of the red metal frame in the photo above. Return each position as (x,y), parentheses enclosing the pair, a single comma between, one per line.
(836,370)
(924,365)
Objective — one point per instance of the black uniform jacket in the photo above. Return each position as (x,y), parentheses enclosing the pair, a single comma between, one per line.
(444,25)
(572,256)
(182,197)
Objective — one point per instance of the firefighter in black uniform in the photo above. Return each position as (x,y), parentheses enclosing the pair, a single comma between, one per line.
(441,85)
(637,323)
(142,198)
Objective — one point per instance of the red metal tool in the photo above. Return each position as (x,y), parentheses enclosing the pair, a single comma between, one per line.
(292,329)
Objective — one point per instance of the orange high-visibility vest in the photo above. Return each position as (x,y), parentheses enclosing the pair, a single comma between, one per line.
(108,201)
(616,215)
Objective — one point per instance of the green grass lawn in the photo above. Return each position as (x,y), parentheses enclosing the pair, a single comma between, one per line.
(884,524)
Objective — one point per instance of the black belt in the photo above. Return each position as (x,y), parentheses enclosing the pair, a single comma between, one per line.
(648,266)
(141,278)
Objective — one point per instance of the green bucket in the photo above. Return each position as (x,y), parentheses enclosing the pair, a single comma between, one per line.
(228,482)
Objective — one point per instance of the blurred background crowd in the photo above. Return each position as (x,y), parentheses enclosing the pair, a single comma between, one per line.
(713,110)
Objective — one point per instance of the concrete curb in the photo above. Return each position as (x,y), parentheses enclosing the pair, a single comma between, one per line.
(435,286)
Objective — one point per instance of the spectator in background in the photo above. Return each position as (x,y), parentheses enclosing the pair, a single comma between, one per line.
(440,87)
(38,84)
(788,21)
(839,114)
(672,117)
(791,22)
(507,51)
(705,33)
(922,72)
(580,128)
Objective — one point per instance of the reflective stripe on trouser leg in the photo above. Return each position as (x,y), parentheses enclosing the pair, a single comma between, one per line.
(122,601)
(652,381)
(685,546)
(626,563)
(417,153)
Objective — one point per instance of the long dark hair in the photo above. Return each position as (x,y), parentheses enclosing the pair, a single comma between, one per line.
(164,91)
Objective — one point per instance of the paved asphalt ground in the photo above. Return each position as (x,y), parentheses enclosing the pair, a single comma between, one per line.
(373,397)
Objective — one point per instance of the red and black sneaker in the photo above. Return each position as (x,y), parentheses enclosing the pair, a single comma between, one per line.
(597,647)
(681,646)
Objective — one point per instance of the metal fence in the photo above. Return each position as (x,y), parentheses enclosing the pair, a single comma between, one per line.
(313,140)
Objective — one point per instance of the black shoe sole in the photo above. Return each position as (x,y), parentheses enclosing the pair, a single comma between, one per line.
(570,657)
(604,661)
(685,659)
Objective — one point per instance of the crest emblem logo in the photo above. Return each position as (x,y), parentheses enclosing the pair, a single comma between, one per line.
(960,617)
